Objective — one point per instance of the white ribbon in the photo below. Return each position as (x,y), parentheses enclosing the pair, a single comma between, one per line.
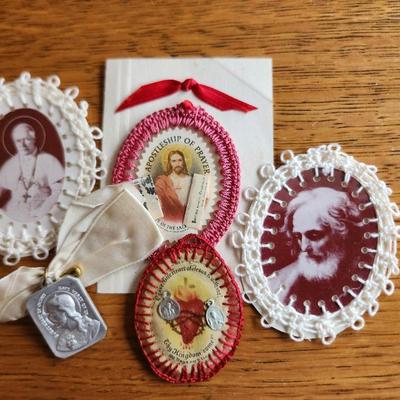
(103,232)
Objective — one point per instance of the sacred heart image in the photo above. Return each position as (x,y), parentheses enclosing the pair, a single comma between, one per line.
(31,165)
(190,321)
(188,312)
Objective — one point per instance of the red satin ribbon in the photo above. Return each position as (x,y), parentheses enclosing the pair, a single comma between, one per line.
(212,96)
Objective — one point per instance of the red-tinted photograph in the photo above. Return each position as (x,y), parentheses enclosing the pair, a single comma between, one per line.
(31,165)
(319,242)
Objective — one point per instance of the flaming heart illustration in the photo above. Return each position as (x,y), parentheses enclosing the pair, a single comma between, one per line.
(190,322)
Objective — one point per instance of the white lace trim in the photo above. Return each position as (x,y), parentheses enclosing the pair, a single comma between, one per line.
(256,290)
(82,160)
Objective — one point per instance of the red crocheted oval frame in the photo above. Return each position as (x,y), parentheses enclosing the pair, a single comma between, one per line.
(186,115)
(165,343)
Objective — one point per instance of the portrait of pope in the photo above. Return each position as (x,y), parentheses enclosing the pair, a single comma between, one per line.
(30,179)
(173,187)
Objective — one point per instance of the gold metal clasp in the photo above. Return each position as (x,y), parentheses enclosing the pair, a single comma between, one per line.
(76,270)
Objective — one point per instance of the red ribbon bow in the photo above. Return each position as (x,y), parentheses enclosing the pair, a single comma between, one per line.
(212,96)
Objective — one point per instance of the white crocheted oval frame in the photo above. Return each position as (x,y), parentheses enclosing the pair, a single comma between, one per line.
(325,161)
(81,159)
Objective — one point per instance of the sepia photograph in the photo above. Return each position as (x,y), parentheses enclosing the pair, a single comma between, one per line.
(321,231)
(31,165)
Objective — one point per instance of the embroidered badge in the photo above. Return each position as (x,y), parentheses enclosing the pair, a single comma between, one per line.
(318,245)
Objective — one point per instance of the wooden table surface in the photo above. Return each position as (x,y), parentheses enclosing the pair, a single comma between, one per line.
(336,79)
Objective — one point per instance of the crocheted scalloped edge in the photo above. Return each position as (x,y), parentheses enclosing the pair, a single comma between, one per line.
(15,246)
(256,290)
(189,246)
(196,118)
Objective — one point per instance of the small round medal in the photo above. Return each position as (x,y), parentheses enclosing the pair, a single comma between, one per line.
(215,317)
(168,309)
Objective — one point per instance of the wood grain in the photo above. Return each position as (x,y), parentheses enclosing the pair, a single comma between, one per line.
(336,79)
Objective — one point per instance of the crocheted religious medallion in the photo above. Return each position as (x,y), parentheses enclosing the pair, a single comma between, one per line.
(319,244)
(188,312)
(194,166)
(48,158)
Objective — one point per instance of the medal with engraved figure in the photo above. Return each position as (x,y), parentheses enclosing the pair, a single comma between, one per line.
(215,317)
(168,308)
(66,317)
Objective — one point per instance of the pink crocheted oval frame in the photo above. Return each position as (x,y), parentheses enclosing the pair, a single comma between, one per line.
(188,116)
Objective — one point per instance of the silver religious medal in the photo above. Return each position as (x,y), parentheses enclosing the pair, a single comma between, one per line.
(215,317)
(168,309)
(66,317)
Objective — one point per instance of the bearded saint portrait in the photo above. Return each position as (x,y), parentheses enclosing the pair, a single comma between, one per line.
(323,227)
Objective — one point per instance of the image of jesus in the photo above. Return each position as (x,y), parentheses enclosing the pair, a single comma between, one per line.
(31,180)
(173,187)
